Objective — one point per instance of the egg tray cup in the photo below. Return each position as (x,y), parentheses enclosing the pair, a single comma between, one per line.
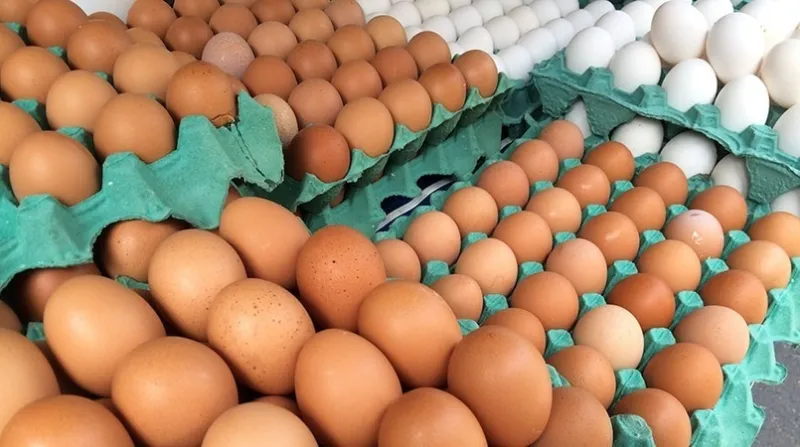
(770,170)
(736,419)
(520,101)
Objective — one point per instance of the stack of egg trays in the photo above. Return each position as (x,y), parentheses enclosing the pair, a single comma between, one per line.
(189,184)
(735,420)
(314,195)
(771,171)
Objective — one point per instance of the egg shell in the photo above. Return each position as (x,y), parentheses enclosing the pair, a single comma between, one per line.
(357,79)
(28,73)
(506,182)
(735,46)
(141,35)
(558,207)
(229,52)
(585,367)
(9,42)
(95,46)
(312,59)
(233,19)
(435,237)
(473,210)
(345,12)
(127,247)
(350,43)
(479,70)
(281,81)
(76,98)
(739,290)
(318,149)
(614,234)
(367,125)
(588,184)
(700,230)
(400,259)
(689,83)
(538,159)
(134,123)
(550,297)
(576,418)
(689,372)
(152,15)
(643,206)
(675,44)
(634,65)
(779,227)
(272,39)
(189,34)
(462,293)
(640,135)
(258,423)
(662,412)
(709,326)
(409,104)
(15,125)
(15,11)
(582,263)
(725,204)
(218,105)
(647,297)
(667,179)
(766,260)
(285,119)
(386,31)
(50,23)
(428,49)
(131,76)
(492,264)
(315,101)
(8,319)
(311,24)
(777,73)
(522,322)
(527,234)
(203,9)
(614,332)
(565,138)
(673,261)
(395,64)
(592,47)
(614,158)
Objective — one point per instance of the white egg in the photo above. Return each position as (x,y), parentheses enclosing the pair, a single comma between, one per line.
(412,31)
(545,10)
(592,47)
(406,13)
(430,8)
(735,46)
(796,34)
(441,25)
(598,8)
(742,103)
(567,6)
(713,10)
(580,20)
(788,129)
(517,61)
(634,65)
(396,1)
(731,171)
(780,71)
(641,135)
(455,4)
(692,152)
(509,5)
(620,26)
(488,9)
(788,202)
(678,32)
(690,83)
(477,38)
(371,7)
(642,15)
(562,30)
(577,115)
(501,66)
(657,3)
(465,17)
(540,43)
(525,18)
(504,32)
(777,21)
(455,48)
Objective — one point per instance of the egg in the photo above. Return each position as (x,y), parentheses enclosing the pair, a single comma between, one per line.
(739,290)
(592,47)
(366,113)
(473,210)
(308,4)
(127,247)
(479,70)
(15,125)
(134,123)
(522,322)
(145,69)
(203,9)
(663,413)
(316,101)
(462,293)
(386,31)
(189,34)
(777,73)
(614,332)
(675,44)
(284,402)
(446,85)
(667,179)
(400,259)
(576,418)
(779,227)
(350,43)
(528,236)
(435,237)
(614,159)
(766,260)
(29,72)
(550,297)
(492,263)
(218,105)
(110,18)
(395,64)
(588,184)
(281,81)
(279,11)
(318,149)
(50,23)
(750,90)
(673,261)
(233,18)
(689,372)
(581,262)
(152,15)
(312,59)
(258,423)
(700,230)
(538,159)
(565,138)
(311,24)
(96,45)
(634,65)
(586,368)
(357,79)
(709,325)
(272,39)
(725,204)
(409,104)
(558,207)
(33,288)
(141,35)
(614,234)
(507,182)
(15,10)
(428,49)
(647,297)
(9,42)
(8,319)
(643,206)
(76,98)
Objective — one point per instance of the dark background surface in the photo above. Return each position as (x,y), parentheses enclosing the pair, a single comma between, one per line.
(782,426)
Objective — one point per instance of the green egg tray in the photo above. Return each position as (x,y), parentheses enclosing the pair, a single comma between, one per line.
(771,171)
(735,420)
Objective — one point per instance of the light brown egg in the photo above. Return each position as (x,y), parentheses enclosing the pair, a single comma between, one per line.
(309,4)
(145,69)
(506,182)
(558,207)
(351,43)
(395,64)
(217,104)
(462,293)
(717,328)
(435,237)
(152,15)
(766,260)
(258,423)
(504,381)
(357,79)
(588,184)
(311,24)
(281,401)
(492,263)
(614,234)
(479,70)
(9,42)
(280,11)
(344,384)
(386,31)
(203,9)
(667,179)
(400,259)
(647,297)
(8,319)
(29,72)
(527,234)
(367,125)
(311,59)
(428,49)
(739,290)
(538,160)
(318,149)
(550,297)
(229,52)
(33,288)
(409,104)
(76,98)
(643,206)
(134,123)
(316,101)
(565,138)
(51,163)
(614,158)
(269,74)
(673,261)
(232,18)
(15,11)
(781,228)
(663,413)
(582,263)
(127,247)
(614,332)
(700,230)
(15,125)
(585,367)
(49,23)
(522,322)
(151,386)
(109,18)
(473,210)
(724,203)
(96,45)
(272,38)
(144,36)
(282,113)
(577,418)
(446,85)
(689,372)
(189,34)
(345,12)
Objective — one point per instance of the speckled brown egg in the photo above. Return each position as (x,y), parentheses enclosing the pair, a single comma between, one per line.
(9,42)
(558,207)
(492,263)
(614,234)
(446,85)
(506,182)
(189,34)
(428,49)
(647,297)
(15,11)
(49,23)
(550,297)
(643,206)
(667,179)
(689,372)
(479,70)
(311,24)
(280,11)
(673,261)
(145,69)
(357,79)
(766,260)
(203,9)
(272,39)
(724,203)
(585,367)
(153,15)
(76,98)
(15,125)
(409,104)
(315,101)
(258,423)
(229,52)
(95,46)
(582,263)
(614,332)
(781,228)
(462,293)
(739,290)
(700,230)
(127,247)
(134,123)
(565,138)
(717,328)
(269,74)
(311,59)
(435,237)
(614,158)
(233,18)
(663,413)
(320,150)
(400,259)
(29,72)
(577,418)
(527,234)
(350,43)
(395,64)
(386,31)
(522,322)
(201,89)
(34,287)
(473,210)
(367,125)
(588,184)
(145,36)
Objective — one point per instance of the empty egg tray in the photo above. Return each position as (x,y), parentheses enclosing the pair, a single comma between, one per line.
(735,420)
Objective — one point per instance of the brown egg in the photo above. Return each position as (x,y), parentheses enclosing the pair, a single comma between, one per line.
(479,70)
(664,414)
(409,104)
(127,247)
(152,15)
(643,206)
(25,375)
(428,49)
(395,64)
(673,261)
(504,381)
(233,18)
(229,52)
(614,234)
(188,34)
(311,24)
(386,31)
(318,149)
(588,184)
(367,125)
(269,74)
(134,123)
(258,423)
(186,273)
(203,9)
(781,228)
(724,203)
(51,163)
(76,98)
(15,11)
(309,4)
(345,12)
(108,18)
(577,418)
(506,182)
(614,158)
(69,418)
(15,125)
(351,43)
(9,42)
(34,287)
(565,138)
(527,234)
(280,11)
(647,297)
(151,386)
(492,263)
(522,322)
(739,290)
(667,179)
(49,23)
(145,69)
(414,327)
(550,297)
(95,46)
(312,59)
(336,269)
(586,368)
(281,401)
(29,72)
(538,160)
(700,230)
(717,328)
(8,319)
(582,263)
(689,372)
(446,85)
(435,237)
(473,210)
(400,259)
(106,320)
(766,260)
(282,113)
(429,416)
(462,293)
(272,38)
(558,207)
(218,104)
(614,332)
(315,101)
(141,35)
(357,79)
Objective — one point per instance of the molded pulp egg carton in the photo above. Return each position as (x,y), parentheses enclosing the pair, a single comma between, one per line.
(771,171)
(735,420)
(190,184)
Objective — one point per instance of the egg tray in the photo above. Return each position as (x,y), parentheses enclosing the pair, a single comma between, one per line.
(735,420)
(771,171)
(520,101)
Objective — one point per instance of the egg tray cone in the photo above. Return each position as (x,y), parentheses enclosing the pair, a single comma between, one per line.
(736,419)
(771,171)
